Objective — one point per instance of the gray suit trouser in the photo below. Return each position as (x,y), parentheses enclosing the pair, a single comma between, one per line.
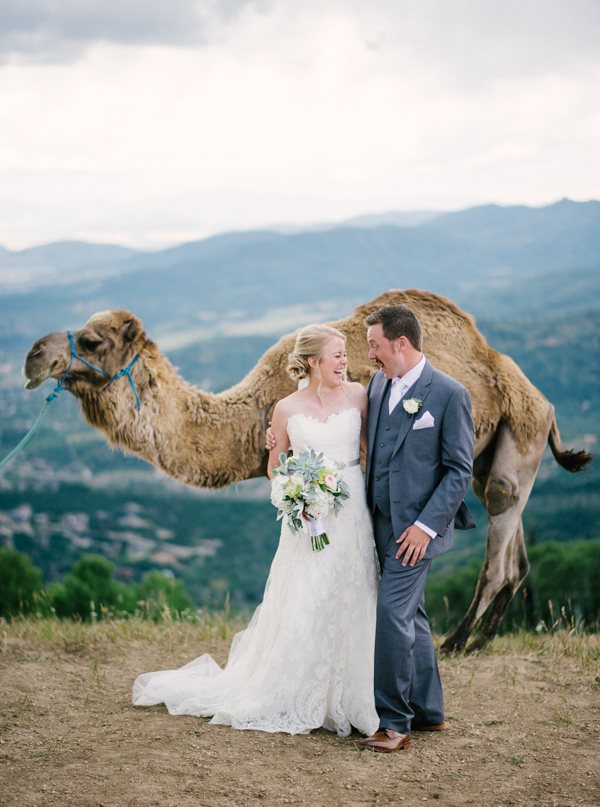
(407,681)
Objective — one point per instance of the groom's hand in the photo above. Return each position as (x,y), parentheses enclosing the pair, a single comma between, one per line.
(413,544)
(270,441)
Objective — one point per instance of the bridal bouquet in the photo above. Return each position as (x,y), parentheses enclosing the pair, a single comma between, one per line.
(305,485)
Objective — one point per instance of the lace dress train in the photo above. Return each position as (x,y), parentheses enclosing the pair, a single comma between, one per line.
(306,658)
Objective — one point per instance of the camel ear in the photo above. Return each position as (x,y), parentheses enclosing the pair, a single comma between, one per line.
(131,329)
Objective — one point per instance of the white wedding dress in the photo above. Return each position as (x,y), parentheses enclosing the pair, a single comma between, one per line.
(306,658)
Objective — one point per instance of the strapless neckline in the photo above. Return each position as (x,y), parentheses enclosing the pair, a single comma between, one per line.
(324,422)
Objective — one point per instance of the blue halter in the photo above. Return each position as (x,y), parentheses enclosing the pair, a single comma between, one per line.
(74,355)
(125,371)
(60,387)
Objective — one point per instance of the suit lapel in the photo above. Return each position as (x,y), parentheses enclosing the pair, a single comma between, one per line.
(376,399)
(419,390)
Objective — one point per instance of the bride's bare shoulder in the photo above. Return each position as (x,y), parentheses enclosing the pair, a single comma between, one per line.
(358,393)
(288,406)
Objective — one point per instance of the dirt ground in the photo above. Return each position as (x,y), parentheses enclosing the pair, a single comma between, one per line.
(523,727)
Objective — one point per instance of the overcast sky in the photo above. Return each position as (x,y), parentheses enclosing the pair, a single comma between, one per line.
(148,122)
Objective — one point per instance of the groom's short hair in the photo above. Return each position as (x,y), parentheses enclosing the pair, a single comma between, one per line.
(397,321)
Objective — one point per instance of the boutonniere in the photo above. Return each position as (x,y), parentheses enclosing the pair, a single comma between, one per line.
(412,406)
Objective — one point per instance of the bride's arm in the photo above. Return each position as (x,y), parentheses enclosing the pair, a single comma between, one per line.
(361,401)
(363,431)
(282,441)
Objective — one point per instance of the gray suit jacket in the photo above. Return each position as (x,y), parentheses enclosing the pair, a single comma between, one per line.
(430,468)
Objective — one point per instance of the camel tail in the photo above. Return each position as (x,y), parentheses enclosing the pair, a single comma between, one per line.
(572,461)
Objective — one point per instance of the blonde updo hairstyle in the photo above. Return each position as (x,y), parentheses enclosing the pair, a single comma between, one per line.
(310,343)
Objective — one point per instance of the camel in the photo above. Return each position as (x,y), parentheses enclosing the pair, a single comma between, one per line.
(209,441)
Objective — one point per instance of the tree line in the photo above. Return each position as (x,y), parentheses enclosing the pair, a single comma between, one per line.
(563,587)
(88,592)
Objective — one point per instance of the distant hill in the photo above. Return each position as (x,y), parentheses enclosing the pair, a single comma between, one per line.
(398,218)
(529,240)
(489,259)
(62,262)
(554,293)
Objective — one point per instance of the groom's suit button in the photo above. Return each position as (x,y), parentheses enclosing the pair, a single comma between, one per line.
(377,479)
(387,428)
(378,462)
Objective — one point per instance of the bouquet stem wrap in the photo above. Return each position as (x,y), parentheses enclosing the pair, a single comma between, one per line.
(318,536)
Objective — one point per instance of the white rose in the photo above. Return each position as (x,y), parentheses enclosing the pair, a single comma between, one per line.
(411,406)
(321,506)
(278,484)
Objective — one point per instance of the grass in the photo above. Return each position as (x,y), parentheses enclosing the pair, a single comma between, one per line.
(568,646)
(167,632)
(557,650)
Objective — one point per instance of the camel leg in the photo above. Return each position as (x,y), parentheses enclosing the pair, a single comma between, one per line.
(481,472)
(507,488)
(517,570)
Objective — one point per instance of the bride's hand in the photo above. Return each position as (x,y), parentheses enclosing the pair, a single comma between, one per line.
(270,440)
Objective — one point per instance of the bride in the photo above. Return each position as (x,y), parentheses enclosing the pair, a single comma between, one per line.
(306,658)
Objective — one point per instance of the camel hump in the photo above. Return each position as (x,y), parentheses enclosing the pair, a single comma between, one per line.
(573,461)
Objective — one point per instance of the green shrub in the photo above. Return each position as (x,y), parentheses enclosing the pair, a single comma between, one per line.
(89,586)
(563,576)
(19,583)
(448,597)
(159,591)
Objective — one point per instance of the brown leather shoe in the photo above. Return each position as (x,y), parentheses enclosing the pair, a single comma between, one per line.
(416,726)
(382,742)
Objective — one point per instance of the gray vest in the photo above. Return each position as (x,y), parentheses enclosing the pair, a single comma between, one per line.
(386,435)
(385,440)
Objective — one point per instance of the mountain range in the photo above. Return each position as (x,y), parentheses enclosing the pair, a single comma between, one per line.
(492,260)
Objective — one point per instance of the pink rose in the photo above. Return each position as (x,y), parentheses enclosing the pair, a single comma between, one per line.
(330,482)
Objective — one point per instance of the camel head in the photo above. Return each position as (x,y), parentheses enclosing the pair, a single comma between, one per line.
(196,437)
(108,341)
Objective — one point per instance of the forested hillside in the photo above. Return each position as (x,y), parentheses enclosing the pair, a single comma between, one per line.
(68,494)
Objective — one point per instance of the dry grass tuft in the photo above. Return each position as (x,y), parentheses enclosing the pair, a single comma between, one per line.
(167,633)
(570,645)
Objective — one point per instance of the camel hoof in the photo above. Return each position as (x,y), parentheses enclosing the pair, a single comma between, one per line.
(479,643)
(451,645)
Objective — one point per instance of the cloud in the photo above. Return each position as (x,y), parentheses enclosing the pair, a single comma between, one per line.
(279,110)
(63,30)
(476,42)
(472,40)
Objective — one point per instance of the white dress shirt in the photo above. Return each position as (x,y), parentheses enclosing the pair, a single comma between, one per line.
(400,387)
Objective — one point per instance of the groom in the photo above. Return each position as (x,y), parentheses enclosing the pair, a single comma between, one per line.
(419,463)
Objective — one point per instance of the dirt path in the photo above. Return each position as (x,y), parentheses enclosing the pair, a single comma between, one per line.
(523,728)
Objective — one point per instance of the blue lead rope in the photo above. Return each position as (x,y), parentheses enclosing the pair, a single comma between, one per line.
(60,387)
(33,429)
(127,371)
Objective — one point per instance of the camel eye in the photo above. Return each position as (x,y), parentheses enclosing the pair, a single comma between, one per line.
(89,344)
